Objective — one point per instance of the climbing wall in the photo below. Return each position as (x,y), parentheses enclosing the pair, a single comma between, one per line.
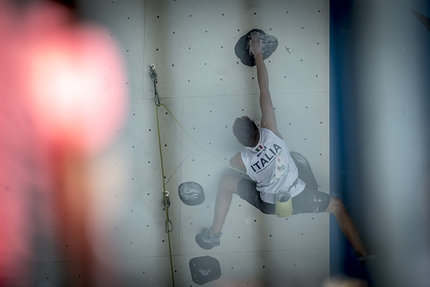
(205,87)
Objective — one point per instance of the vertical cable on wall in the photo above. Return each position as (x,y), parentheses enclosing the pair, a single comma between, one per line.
(168,223)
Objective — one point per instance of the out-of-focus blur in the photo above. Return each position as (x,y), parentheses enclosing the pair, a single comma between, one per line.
(62,99)
(381,49)
(344,282)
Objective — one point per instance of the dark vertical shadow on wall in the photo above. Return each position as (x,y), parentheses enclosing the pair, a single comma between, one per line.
(379,87)
(344,141)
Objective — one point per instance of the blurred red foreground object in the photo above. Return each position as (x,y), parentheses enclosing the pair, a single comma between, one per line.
(62,99)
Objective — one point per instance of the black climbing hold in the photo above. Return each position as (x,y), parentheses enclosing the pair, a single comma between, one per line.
(191,193)
(305,170)
(270,43)
(204,269)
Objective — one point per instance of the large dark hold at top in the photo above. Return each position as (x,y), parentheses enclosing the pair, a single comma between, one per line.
(270,43)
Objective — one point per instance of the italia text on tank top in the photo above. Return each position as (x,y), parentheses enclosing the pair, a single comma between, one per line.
(270,165)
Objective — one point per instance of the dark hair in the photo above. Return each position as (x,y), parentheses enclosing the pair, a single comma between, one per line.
(246,131)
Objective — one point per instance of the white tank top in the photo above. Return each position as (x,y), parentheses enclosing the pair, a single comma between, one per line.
(271,166)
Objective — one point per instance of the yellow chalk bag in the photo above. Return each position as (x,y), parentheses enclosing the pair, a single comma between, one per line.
(284,204)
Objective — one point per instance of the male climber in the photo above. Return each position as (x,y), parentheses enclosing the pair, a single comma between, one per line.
(266,159)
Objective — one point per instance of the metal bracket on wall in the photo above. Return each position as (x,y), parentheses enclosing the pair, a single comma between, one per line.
(154,80)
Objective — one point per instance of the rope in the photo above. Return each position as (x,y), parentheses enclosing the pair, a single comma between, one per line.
(194,140)
(168,227)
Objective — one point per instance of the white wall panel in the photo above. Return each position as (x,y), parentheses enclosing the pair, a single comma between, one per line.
(197,55)
(205,86)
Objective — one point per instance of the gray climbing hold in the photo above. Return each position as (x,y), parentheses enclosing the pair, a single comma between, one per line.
(191,193)
(270,43)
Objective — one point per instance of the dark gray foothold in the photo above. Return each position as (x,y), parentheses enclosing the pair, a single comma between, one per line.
(270,43)
(191,193)
(204,269)
(305,170)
